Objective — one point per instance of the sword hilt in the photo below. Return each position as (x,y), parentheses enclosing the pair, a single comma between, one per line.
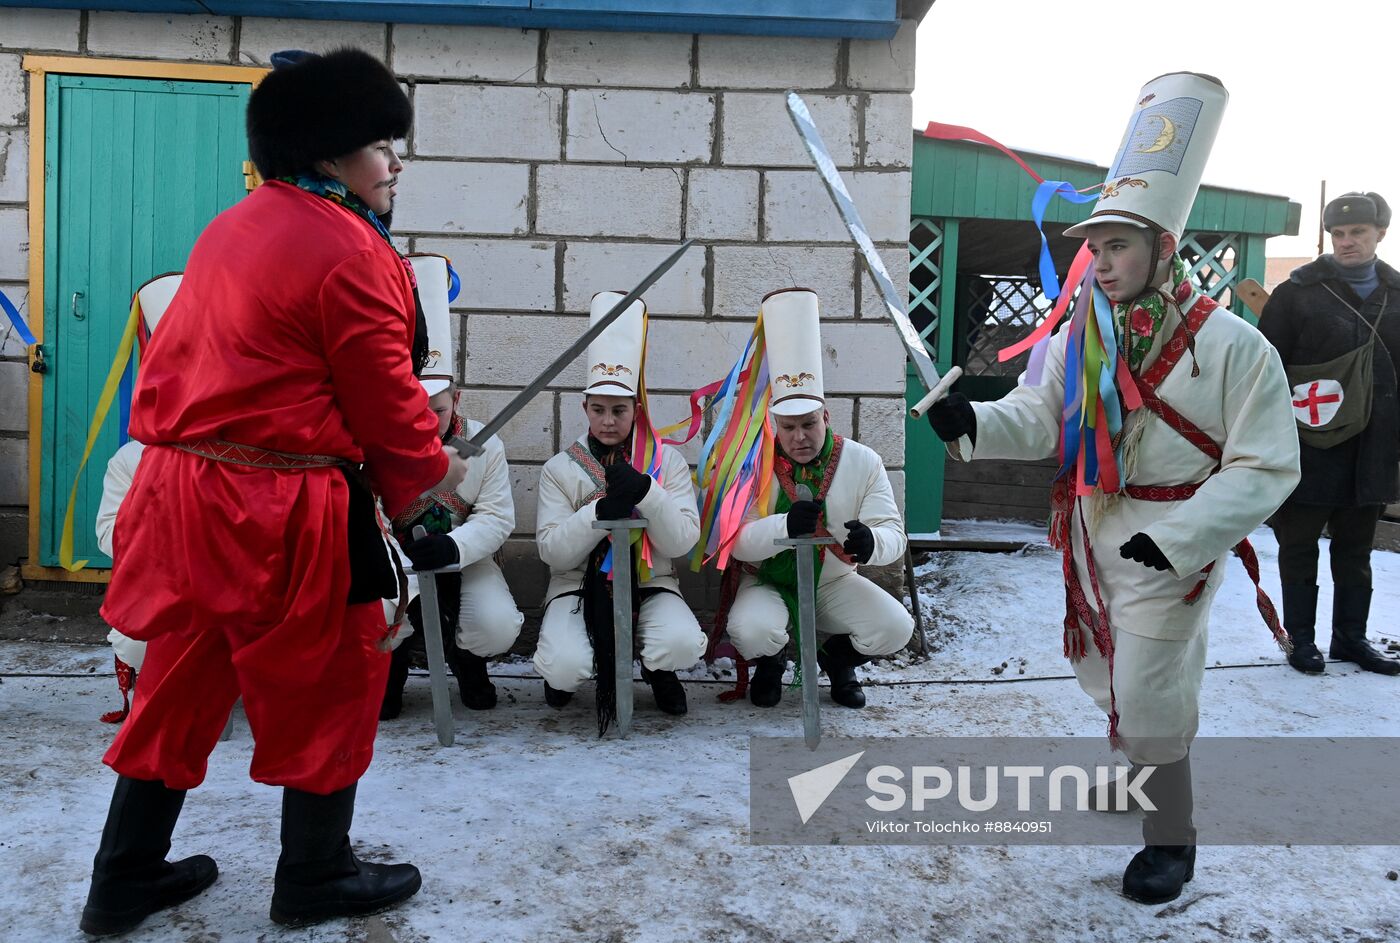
(937,393)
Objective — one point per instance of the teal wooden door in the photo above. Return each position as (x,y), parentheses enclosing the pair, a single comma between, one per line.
(134,170)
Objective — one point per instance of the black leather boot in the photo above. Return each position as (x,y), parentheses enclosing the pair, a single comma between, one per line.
(668,691)
(130,877)
(318,876)
(392,705)
(766,685)
(839,660)
(1351,605)
(1300,620)
(556,698)
(1157,873)
(477,691)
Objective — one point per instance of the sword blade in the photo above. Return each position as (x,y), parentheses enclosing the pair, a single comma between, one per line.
(519,401)
(432,641)
(850,216)
(807,636)
(622,628)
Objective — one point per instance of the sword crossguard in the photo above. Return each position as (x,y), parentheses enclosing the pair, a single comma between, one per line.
(805,541)
(629,523)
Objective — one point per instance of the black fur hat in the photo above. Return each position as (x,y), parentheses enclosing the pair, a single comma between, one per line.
(311,108)
(1357,207)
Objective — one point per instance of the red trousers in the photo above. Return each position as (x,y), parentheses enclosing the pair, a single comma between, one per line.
(317,736)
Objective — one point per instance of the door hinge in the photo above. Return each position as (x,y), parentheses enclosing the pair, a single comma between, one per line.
(251,178)
(39,364)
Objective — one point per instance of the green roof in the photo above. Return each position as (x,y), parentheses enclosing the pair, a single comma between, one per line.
(963,180)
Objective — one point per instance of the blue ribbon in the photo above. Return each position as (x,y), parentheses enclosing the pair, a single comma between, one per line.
(454,288)
(1047,191)
(13,313)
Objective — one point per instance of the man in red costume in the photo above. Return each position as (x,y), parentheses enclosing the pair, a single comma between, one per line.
(277,401)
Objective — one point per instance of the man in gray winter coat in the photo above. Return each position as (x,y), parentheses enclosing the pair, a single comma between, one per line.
(1336,325)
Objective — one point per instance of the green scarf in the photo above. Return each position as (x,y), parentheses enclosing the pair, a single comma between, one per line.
(780,570)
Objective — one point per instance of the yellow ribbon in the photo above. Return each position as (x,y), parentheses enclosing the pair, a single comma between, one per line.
(104,405)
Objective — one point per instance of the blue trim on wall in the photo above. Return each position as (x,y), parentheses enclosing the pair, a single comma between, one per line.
(854,19)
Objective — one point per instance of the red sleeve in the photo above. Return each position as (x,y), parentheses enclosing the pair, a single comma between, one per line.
(368,337)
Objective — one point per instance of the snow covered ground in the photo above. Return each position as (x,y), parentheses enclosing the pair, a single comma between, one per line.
(529,828)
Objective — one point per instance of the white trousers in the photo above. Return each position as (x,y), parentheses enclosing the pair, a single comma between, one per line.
(671,639)
(489,622)
(1157,688)
(850,604)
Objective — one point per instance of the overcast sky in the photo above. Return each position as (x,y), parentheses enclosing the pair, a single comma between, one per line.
(1312,86)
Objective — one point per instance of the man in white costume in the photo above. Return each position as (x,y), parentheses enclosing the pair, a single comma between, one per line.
(1208,455)
(466,527)
(599,477)
(852,502)
(153,298)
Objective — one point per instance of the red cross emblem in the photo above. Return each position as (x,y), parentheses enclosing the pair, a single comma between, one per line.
(1313,400)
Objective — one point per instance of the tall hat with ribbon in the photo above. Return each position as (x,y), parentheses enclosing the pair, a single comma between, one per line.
(312,107)
(155,296)
(617,356)
(1153,180)
(434,276)
(793,333)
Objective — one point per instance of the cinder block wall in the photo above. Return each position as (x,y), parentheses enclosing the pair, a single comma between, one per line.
(552,164)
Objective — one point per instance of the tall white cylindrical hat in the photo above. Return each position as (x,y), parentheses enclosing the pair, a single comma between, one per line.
(155,297)
(430,270)
(793,338)
(615,356)
(1155,177)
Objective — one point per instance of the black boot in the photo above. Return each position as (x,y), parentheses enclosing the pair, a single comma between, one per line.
(478,693)
(556,698)
(1300,619)
(1350,607)
(839,660)
(1157,873)
(1111,801)
(766,685)
(318,876)
(392,705)
(130,877)
(667,689)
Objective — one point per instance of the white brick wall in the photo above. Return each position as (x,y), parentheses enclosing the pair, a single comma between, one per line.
(897,264)
(14,244)
(499,274)
(659,60)
(722,205)
(759,133)
(510,349)
(496,121)
(14,397)
(13,103)
(621,125)
(797,208)
(763,62)
(14,166)
(888,121)
(591,267)
(40,30)
(529,436)
(621,201)
(453,197)
(160,36)
(470,53)
(260,37)
(14,472)
(884,64)
(551,165)
(882,428)
(744,274)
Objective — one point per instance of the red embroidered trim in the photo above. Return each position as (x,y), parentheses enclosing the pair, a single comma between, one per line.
(232,452)
(591,467)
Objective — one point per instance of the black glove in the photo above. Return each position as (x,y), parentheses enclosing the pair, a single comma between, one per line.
(1141,548)
(802,518)
(432,552)
(626,488)
(952,418)
(860,542)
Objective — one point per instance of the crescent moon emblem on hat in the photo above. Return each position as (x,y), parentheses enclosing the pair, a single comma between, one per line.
(1164,139)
